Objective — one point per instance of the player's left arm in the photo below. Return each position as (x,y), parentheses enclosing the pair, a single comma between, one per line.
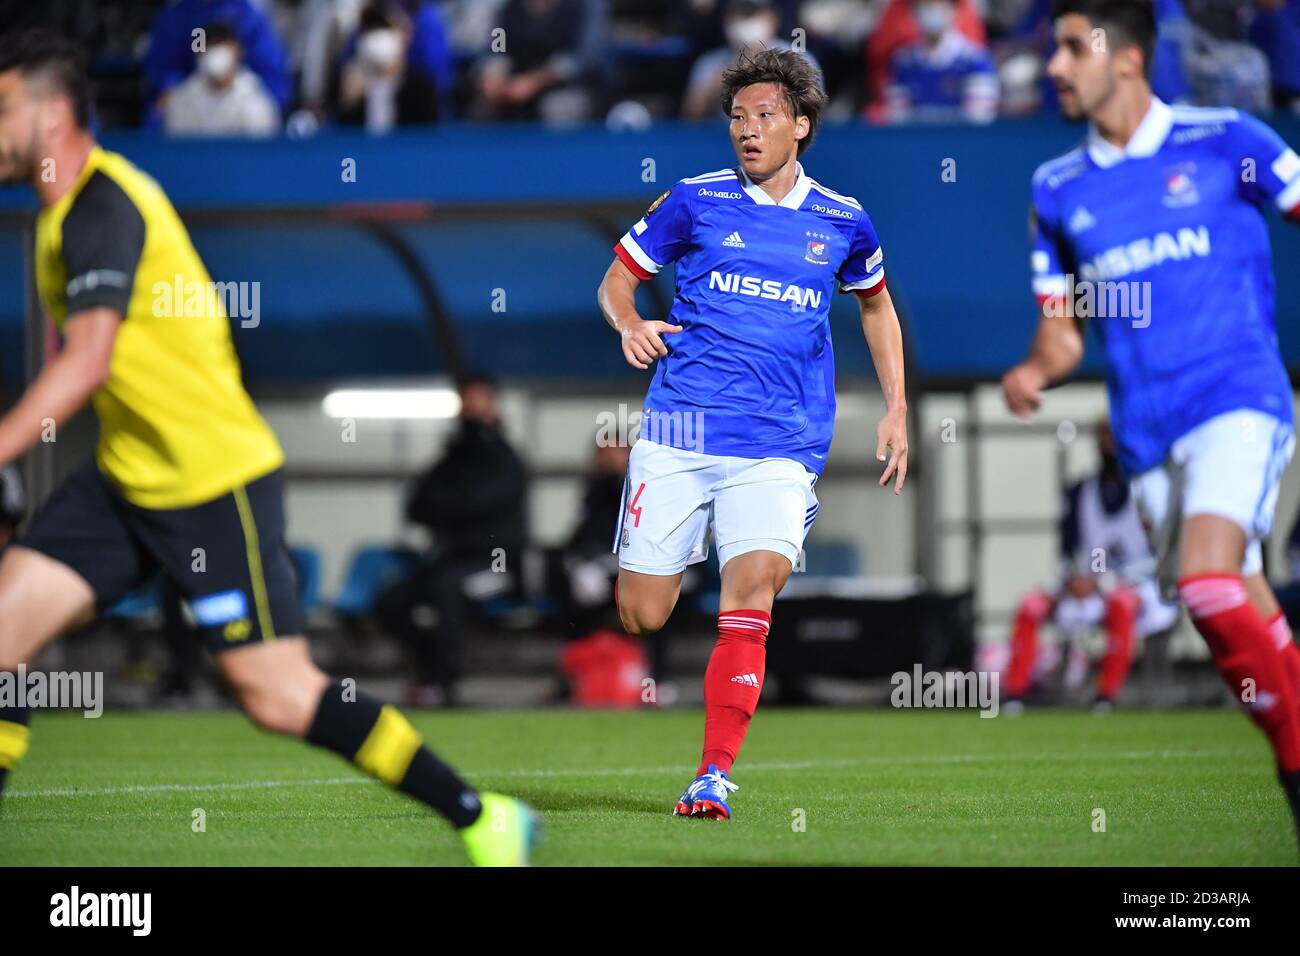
(885,340)
(863,273)
(1269,168)
(65,384)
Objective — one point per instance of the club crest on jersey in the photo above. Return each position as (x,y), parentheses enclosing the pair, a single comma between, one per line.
(1180,188)
(815,252)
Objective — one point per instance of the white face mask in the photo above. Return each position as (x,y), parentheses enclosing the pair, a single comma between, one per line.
(219,62)
(380,49)
(934,18)
(751,31)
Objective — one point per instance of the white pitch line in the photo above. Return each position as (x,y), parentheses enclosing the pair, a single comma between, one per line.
(627,771)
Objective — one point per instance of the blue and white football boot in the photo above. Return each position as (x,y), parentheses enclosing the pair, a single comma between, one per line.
(706,797)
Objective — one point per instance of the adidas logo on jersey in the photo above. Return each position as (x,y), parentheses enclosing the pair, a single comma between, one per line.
(734,241)
(1081,221)
(749,680)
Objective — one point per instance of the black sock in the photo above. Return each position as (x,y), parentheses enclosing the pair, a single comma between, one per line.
(14,734)
(1291,784)
(379,740)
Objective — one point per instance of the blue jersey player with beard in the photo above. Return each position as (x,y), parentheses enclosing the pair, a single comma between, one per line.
(1155,230)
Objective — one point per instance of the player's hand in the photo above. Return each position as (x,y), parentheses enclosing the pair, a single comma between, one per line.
(642,343)
(891,442)
(1022,387)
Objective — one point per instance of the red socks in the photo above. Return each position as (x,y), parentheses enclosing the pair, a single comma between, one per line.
(732,684)
(1121,622)
(1246,653)
(1024,642)
(1286,646)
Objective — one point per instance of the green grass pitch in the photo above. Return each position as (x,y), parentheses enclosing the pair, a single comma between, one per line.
(868,787)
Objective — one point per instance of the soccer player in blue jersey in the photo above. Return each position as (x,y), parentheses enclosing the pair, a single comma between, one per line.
(1155,230)
(738,418)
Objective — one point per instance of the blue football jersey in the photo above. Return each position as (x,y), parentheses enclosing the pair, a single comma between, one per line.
(752,374)
(1166,243)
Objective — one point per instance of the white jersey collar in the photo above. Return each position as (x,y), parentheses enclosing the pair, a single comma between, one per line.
(792,200)
(1145,141)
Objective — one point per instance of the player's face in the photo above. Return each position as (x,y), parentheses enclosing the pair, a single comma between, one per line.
(19,126)
(763,133)
(1082,68)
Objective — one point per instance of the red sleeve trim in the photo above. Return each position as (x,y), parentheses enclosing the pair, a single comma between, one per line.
(633,266)
(875,290)
(1294,214)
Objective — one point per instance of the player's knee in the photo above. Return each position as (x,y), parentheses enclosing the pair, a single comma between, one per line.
(641,620)
(285,704)
(1036,606)
(275,711)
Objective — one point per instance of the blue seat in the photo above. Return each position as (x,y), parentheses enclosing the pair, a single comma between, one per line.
(373,569)
(831,558)
(307,562)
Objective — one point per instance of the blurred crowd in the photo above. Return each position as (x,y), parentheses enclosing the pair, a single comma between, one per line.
(262,67)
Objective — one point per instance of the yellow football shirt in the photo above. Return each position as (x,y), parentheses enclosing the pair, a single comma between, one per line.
(177,427)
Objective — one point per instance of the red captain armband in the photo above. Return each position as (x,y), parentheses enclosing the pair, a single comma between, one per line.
(875,290)
(633,266)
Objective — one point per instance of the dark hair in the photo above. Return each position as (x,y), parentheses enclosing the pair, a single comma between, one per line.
(1131,21)
(218,32)
(46,56)
(800,82)
(476,376)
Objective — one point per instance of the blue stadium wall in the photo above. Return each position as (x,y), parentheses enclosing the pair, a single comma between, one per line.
(335,303)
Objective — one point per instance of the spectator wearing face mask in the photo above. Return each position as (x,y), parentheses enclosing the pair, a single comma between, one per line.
(750,25)
(942,77)
(379,88)
(897,28)
(222,97)
(171,57)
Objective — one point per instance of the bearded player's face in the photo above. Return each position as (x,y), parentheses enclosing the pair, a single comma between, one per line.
(1082,67)
(19,125)
(763,133)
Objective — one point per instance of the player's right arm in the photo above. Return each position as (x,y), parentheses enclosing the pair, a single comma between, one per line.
(1057,347)
(1056,351)
(659,237)
(642,343)
(103,239)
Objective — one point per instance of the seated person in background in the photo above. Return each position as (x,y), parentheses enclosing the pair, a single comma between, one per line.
(378,86)
(171,48)
(590,566)
(222,97)
(1108,580)
(942,77)
(473,502)
(750,25)
(896,28)
(553,65)
(13,503)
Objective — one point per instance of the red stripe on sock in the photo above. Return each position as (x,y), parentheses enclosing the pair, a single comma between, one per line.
(1246,654)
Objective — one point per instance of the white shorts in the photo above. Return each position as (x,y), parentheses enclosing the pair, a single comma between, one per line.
(1230,465)
(1074,615)
(673,498)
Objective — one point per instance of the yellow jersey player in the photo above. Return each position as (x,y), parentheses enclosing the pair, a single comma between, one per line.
(187,478)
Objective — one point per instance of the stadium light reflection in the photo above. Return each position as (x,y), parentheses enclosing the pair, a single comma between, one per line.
(391,403)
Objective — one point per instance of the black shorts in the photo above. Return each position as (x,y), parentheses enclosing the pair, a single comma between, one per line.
(227,556)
